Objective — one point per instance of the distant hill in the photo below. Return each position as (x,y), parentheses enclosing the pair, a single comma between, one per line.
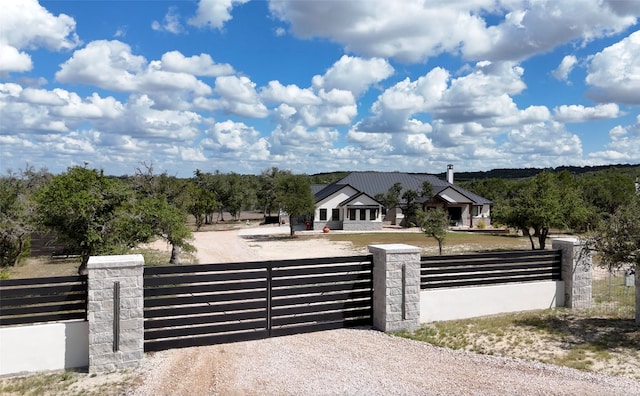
(506,173)
(523,173)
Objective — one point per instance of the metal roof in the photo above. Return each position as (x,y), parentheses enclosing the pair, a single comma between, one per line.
(373,183)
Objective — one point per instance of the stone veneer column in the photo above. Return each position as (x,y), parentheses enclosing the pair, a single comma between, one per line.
(396,287)
(576,272)
(116,331)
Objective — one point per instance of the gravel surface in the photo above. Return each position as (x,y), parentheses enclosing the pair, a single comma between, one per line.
(347,361)
(359,362)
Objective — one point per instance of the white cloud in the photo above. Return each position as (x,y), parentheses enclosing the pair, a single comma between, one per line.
(106,64)
(414,30)
(12,60)
(170,23)
(354,74)
(214,13)
(237,96)
(198,65)
(290,94)
(624,145)
(579,113)
(24,24)
(565,67)
(614,73)
(111,65)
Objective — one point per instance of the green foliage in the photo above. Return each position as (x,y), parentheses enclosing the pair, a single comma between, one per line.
(434,223)
(90,213)
(617,239)
(546,201)
(16,210)
(607,190)
(293,196)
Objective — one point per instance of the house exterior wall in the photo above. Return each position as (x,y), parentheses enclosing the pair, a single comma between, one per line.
(330,203)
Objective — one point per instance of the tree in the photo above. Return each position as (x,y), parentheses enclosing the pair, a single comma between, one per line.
(606,190)
(15,228)
(293,196)
(539,204)
(159,209)
(434,223)
(87,210)
(617,240)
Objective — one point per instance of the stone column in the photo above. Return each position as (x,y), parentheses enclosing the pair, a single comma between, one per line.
(115,312)
(576,272)
(396,287)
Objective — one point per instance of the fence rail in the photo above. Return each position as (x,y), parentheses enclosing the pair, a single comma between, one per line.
(37,300)
(489,268)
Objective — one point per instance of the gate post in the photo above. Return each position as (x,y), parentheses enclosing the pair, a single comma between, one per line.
(396,287)
(576,272)
(115,311)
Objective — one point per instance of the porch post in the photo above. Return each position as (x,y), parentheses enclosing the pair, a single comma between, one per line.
(396,285)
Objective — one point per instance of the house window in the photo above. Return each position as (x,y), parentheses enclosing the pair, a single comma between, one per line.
(477,210)
(363,214)
(373,214)
(352,214)
(323,214)
(335,214)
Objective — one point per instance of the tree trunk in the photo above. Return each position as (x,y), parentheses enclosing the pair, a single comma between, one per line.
(440,246)
(292,231)
(525,231)
(175,254)
(83,266)
(542,238)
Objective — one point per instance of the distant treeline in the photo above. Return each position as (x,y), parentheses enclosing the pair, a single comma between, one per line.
(506,173)
(525,173)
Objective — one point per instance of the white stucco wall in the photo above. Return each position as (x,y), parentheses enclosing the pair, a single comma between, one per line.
(469,302)
(332,202)
(45,347)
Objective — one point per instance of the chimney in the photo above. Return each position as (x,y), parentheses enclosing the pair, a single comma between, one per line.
(450,174)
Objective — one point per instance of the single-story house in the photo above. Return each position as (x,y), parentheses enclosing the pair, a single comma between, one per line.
(349,203)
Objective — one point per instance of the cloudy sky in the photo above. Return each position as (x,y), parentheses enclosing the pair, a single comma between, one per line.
(318,85)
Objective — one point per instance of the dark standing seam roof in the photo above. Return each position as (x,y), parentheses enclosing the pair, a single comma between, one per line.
(373,183)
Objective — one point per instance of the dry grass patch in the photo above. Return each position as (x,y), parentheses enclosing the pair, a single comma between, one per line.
(456,242)
(584,340)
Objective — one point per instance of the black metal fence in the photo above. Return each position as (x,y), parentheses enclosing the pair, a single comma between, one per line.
(216,303)
(38,300)
(489,268)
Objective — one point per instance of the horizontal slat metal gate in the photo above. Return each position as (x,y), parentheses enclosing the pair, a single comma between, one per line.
(217,303)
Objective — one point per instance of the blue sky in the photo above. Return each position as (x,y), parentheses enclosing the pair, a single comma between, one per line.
(318,86)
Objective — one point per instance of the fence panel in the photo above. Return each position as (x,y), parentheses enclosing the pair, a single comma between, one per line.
(489,268)
(204,304)
(613,292)
(217,303)
(38,300)
(321,294)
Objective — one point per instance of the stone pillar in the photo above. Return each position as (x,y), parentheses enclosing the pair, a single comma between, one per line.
(115,305)
(576,272)
(396,287)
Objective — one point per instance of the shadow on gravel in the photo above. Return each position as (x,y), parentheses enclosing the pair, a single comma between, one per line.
(600,334)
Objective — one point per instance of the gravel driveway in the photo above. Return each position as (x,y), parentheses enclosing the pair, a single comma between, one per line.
(347,361)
